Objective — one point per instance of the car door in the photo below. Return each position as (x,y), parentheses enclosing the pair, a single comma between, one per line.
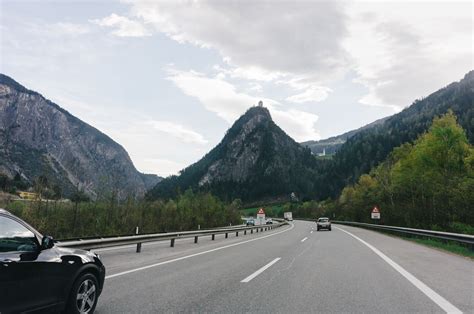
(19,277)
(29,277)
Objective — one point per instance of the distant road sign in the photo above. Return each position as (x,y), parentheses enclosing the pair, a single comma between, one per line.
(260,217)
(375,213)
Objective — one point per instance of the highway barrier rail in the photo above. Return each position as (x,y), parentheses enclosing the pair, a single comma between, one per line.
(103,242)
(456,237)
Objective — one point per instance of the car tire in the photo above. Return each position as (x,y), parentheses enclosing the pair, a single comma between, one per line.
(84,295)
(329,229)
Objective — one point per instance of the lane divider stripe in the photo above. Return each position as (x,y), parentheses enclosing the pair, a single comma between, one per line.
(196,254)
(261,270)
(304,239)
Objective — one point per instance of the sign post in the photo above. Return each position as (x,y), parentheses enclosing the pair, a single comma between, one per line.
(375,213)
(260,217)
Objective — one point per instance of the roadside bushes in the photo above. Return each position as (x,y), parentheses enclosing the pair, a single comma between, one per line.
(102,218)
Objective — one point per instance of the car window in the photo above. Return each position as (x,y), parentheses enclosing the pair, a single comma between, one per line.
(14,237)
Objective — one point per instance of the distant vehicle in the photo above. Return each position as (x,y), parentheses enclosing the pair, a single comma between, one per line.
(288,216)
(37,275)
(251,222)
(269,221)
(323,223)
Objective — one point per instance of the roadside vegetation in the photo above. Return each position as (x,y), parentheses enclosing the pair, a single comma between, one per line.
(83,218)
(427,184)
(446,246)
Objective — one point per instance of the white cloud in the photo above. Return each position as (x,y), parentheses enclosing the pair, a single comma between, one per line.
(284,36)
(315,93)
(167,167)
(178,131)
(403,51)
(262,41)
(123,26)
(222,98)
(300,125)
(216,95)
(72,29)
(399,50)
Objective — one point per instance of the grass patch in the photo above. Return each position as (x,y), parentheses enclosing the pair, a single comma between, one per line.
(446,246)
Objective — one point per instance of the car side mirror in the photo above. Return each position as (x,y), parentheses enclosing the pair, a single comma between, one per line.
(47,242)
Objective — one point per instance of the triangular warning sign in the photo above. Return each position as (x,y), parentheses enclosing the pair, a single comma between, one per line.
(260,212)
(375,210)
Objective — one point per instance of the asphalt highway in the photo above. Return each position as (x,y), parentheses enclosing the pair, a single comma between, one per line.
(292,269)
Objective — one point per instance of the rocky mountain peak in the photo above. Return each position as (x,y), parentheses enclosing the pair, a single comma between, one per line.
(39,138)
(253,153)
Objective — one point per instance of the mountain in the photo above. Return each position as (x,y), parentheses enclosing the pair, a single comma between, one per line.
(255,160)
(367,148)
(331,145)
(39,138)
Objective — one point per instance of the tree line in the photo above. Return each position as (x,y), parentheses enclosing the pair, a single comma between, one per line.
(84,218)
(427,184)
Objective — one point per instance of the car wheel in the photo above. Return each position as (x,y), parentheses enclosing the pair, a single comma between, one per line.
(84,295)
(329,229)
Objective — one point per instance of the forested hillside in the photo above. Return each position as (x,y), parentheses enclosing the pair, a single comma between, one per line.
(428,184)
(333,144)
(369,147)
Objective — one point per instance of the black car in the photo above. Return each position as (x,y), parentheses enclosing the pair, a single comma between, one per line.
(37,275)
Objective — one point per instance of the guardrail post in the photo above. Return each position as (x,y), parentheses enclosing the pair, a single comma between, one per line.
(139,245)
(251,231)
(226,235)
(245,232)
(172,243)
(196,239)
(213,237)
(237,234)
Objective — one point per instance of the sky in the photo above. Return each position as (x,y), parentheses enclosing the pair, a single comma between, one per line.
(166,79)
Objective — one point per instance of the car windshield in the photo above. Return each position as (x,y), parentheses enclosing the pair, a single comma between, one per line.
(323,220)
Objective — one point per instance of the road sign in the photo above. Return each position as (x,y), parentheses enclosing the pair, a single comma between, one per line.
(375,213)
(260,217)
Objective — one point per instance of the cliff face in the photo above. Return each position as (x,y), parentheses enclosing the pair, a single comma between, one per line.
(37,137)
(255,159)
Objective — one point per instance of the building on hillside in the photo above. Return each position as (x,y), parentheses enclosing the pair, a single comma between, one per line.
(323,153)
(29,195)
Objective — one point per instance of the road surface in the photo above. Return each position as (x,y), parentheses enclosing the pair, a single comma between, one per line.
(292,269)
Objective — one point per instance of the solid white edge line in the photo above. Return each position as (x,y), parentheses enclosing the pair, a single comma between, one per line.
(430,293)
(261,270)
(196,254)
(304,239)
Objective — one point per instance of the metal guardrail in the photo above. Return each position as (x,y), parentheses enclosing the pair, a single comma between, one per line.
(104,242)
(133,234)
(457,237)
